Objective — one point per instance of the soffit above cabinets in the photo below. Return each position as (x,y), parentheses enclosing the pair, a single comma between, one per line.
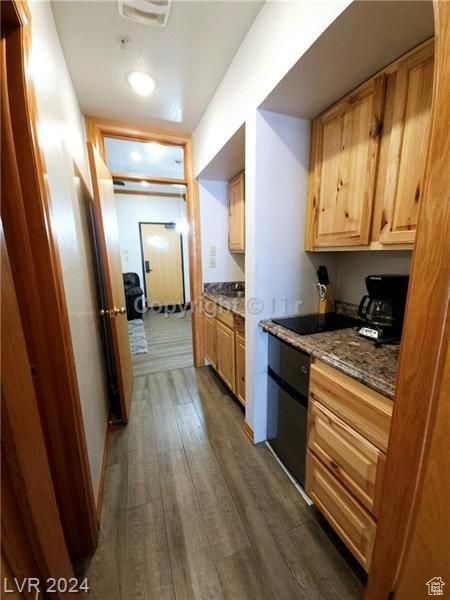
(187,58)
(367,36)
(229,161)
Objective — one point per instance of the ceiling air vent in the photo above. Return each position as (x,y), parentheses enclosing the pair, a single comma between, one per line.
(148,12)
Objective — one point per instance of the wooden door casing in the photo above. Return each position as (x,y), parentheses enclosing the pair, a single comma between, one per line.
(33,543)
(346,145)
(236,214)
(162,247)
(109,246)
(225,354)
(406,135)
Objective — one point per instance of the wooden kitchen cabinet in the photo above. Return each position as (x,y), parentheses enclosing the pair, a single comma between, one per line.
(240,367)
(404,147)
(211,340)
(236,214)
(348,430)
(226,354)
(346,152)
(348,518)
(367,160)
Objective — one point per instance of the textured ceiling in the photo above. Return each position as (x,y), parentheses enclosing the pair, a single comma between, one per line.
(187,58)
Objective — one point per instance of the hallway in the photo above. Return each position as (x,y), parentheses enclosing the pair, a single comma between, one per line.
(192,510)
(169,339)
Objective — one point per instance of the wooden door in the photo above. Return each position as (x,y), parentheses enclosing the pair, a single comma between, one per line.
(236,214)
(225,354)
(211,340)
(345,161)
(240,367)
(163,264)
(108,234)
(33,543)
(405,143)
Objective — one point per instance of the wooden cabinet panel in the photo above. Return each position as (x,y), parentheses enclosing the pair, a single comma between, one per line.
(406,140)
(240,367)
(236,214)
(346,153)
(211,340)
(352,523)
(225,354)
(352,459)
(225,316)
(357,405)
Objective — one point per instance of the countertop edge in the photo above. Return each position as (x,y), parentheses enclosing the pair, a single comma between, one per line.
(225,303)
(270,327)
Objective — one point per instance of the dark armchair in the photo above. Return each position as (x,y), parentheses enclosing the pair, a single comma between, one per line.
(133,295)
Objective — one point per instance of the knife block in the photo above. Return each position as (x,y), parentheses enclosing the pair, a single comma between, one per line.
(327,304)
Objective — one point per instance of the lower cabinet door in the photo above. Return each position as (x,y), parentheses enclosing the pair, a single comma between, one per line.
(240,367)
(225,354)
(211,340)
(349,519)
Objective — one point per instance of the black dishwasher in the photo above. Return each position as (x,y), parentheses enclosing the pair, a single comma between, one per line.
(287,405)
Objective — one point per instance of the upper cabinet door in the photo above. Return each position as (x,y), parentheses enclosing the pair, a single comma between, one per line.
(236,214)
(404,147)
(345,162)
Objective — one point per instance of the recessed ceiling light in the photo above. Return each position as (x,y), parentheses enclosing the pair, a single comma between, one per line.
(144,183)
(135,156)
(141,83)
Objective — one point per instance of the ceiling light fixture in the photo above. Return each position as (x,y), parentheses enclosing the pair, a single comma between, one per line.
(141,83)
(144,183)
(135,156)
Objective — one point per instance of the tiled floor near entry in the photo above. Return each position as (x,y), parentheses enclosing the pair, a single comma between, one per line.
(193,511)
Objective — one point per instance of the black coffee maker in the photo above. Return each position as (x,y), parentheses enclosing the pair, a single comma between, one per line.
(383,308)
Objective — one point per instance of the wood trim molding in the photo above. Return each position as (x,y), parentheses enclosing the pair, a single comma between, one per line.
(424,346)
(96,129)
(148,178)
(248,431)
(101,487)
(36,268)
(154,194)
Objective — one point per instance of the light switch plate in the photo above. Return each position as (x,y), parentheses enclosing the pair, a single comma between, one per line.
(212,262)
(212,251)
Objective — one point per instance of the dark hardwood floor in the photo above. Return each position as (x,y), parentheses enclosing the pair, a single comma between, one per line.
(193,511)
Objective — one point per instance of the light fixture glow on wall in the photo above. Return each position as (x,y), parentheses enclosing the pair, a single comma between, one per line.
(144,183)
(136,156)
(182,226)
(141,83)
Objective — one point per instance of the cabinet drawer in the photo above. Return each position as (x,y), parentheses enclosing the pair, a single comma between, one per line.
(351,522)
(209,307)
(357,463)
(357,405)
(225,316)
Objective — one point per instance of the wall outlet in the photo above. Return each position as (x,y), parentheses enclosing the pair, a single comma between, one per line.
(212,262)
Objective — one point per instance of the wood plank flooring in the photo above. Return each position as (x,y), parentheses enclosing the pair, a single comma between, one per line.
(193,511)
(169,339)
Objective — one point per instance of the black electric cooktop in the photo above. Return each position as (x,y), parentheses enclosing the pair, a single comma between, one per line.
(316,323)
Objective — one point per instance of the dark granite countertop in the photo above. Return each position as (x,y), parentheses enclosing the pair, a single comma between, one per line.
(375,366)
(235,305)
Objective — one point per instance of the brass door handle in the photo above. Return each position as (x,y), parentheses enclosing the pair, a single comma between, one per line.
(113,312)
(122,310)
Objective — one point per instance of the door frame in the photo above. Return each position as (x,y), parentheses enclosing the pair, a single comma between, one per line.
(97,128)
(423,368)
(143,261)
(34,256)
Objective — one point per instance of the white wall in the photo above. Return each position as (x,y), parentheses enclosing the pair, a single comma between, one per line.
(132,209)
(214,227)
(62,137)
(280,276)
(279,36)
(353,267)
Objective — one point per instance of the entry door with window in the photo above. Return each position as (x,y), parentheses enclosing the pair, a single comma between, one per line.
(162,255)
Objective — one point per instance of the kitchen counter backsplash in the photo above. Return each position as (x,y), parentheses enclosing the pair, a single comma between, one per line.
(344,349)
(224,286)
(347,309)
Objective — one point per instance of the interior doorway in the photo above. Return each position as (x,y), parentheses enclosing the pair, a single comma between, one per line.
(163,265)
